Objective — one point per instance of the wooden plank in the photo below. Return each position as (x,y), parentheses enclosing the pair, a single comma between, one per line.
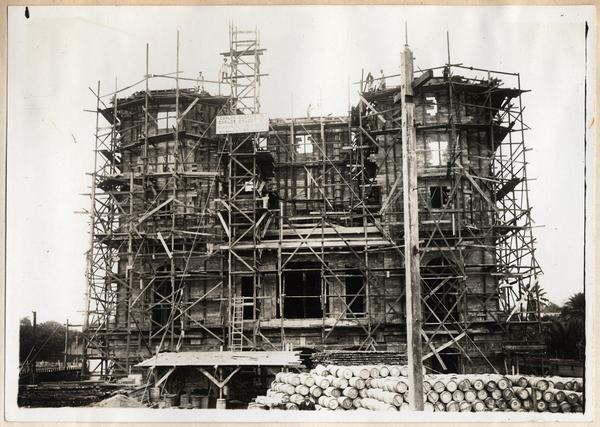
(156,209)
(444,346)
(224,358)
(160,237)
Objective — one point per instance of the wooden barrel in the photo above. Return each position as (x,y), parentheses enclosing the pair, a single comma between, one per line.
(439,386)
(470,395)
(464,406)
(291,406)
(316,391)
(478,384)
(439,407)
(356,382)
(433,396)
(508,393)
(154,394)
(321,370)
(573,397)
(395,371)
(521,392)
(553,406)
(296,398)
(356,402)
(329,402)
(339,383)
(482,394)
(540,383)
(426,386)
(360,372)
(321,381)
(344,372)
(451,385)
(308,380)
(478,406)
(184,400)
(458,395)
(345,402)
(302,389)
(496,394)
(501,403)
(527,404)
(374,372)
(196,401)
(541,406)
(170,400)
(491,385)
(445,396)
(548,396)
(332,392)
(490,402)
(452,407)
(428,407)
(400,386)
(384,371)
(514,404)
(464,384)
(518,381)
(504,383)
(565,407)
(560,396)
(350,392)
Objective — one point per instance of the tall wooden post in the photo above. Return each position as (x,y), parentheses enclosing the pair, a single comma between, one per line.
(411,236)
(33,361)
(66,345)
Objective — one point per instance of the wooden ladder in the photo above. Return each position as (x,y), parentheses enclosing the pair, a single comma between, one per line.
(236,333)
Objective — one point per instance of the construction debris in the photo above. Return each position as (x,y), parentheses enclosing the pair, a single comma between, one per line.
(385,388)
(119,401)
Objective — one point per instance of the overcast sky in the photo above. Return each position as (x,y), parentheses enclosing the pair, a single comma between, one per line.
(313,54)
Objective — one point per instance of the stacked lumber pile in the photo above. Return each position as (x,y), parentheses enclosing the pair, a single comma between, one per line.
(385,388)
(64,394)
(357,358)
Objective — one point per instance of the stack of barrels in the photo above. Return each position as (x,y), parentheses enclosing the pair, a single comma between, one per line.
(385,388)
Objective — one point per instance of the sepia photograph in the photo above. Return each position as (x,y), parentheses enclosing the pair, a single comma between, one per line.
(227,213)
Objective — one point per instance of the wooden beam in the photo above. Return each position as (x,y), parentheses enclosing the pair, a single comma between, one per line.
(411,237)
(444,346)
(165,377)
(156,209)
(160,237)
(218,383)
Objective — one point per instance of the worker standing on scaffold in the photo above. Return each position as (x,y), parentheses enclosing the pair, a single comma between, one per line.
(369,82)
(382,81)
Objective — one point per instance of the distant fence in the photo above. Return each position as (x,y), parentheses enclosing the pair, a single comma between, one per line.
(49,374)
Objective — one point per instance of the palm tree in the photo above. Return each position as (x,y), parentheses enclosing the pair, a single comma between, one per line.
(565,336)
(574,308)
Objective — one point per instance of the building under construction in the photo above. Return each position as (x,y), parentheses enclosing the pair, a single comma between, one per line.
(293,237)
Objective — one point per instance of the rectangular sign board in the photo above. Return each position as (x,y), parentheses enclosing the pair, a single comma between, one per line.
(242,123)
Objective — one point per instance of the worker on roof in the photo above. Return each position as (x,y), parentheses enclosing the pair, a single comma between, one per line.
(369,82)
(382,81)
(224,70)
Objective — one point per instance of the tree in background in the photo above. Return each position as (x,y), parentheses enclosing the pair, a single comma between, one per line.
(49,343)
(565,335)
